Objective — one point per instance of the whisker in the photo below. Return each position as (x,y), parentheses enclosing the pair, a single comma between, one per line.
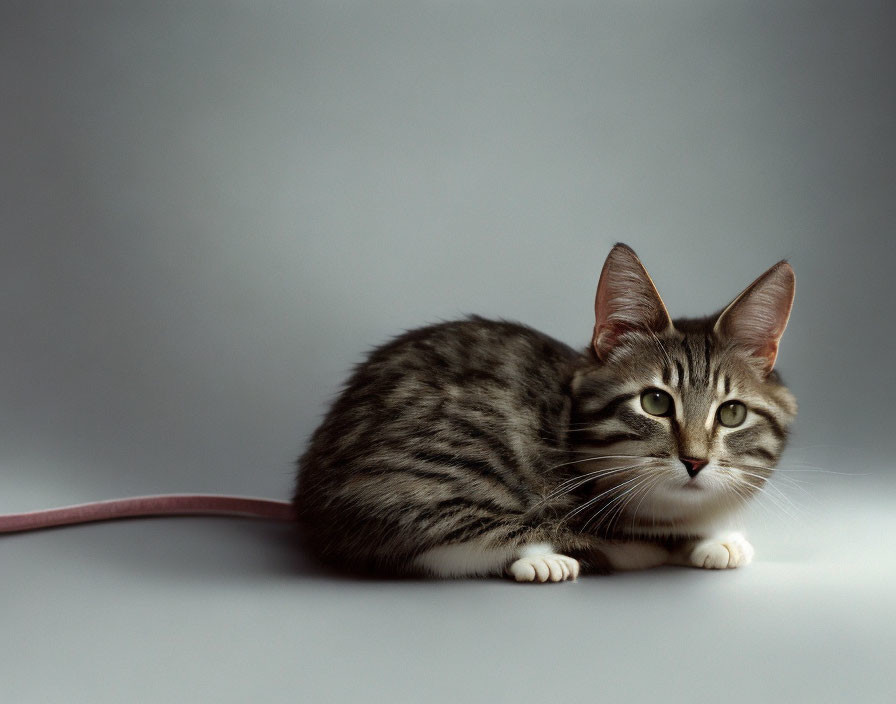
(736,504)
(647,490)
(806,467)
(791,483)
(608,505)
(609,457)
(818,470)
(596,458)
(768,477)
(620,511)
(820,446)
(773,498)
(594,499)
(583,424)
(599,473)
(771,486)
(577,481)
(746,498)
(618,502)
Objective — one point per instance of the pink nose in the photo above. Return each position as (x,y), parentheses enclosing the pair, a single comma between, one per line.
(693,466)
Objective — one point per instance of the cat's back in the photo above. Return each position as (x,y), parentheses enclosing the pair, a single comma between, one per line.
(468,345)
(473,368)
(474,354)
(473,400)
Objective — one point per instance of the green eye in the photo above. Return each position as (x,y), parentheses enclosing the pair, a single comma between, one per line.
(657,403)
(732,414)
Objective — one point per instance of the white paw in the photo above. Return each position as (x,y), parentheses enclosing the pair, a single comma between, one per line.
(544,568)
(726,552)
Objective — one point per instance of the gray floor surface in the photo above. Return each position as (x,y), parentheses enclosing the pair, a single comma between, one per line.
(196,610)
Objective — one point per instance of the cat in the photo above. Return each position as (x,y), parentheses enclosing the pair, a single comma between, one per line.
(482,448)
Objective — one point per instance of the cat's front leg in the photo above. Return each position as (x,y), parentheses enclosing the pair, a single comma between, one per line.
(724,551)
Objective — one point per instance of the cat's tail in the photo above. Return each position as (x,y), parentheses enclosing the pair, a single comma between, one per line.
(160,505)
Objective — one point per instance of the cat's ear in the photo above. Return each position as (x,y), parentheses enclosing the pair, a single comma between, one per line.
(626,300)
(757,317)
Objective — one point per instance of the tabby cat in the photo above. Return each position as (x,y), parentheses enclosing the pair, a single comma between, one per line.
(481,447)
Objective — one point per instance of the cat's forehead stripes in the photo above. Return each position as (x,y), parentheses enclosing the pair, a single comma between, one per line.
(689,361)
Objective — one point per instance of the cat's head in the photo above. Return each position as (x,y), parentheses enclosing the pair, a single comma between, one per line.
(689,415)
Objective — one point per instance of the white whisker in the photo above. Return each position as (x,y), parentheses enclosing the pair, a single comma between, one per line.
(773,498)
(618,502)
(577,481)
(595,499)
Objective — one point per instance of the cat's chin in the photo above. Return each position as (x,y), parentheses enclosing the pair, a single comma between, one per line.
(685,500)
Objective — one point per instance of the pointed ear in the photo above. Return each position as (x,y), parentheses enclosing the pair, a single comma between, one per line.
(626,300)
(757,317)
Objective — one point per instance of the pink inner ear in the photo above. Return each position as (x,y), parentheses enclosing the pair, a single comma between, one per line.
(605,332)
(757,318)
(626,300)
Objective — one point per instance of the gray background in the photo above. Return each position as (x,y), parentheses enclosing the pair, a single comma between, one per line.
(211,210)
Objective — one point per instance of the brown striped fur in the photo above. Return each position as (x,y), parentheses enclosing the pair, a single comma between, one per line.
(491,432)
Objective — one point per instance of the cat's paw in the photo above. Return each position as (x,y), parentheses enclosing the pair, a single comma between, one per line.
(544,568)
(725,552)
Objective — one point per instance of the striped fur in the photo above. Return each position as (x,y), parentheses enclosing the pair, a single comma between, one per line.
(466,442)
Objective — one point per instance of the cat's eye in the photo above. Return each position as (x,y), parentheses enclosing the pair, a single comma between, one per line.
(732,414)
(657,403)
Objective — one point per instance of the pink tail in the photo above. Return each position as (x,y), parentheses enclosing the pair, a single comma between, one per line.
(162,505)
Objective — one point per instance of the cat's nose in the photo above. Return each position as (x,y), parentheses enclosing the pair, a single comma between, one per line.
(693,466)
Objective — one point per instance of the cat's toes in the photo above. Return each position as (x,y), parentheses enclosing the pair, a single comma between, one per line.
(732,550)
(544,568)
